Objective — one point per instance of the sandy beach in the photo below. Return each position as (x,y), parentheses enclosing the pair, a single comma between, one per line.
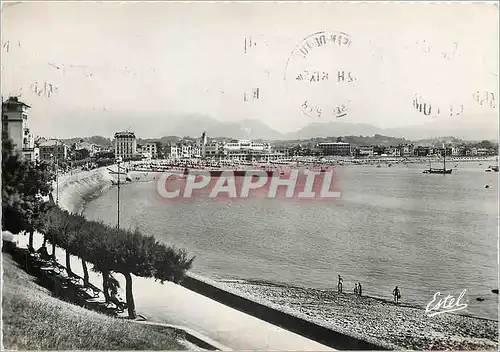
(398,327)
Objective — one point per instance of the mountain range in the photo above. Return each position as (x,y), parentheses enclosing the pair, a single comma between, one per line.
(156,125)
(463,127)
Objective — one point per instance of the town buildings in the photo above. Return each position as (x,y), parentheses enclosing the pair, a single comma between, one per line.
(335,148)
(125,145)
(90,147)
(251,150)
(15,122)
(53,151)
(243,150)
(148,150)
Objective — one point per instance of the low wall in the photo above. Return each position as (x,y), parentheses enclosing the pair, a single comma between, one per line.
(74,190)
(297,325)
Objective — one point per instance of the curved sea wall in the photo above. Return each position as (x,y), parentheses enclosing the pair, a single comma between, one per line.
(75,190)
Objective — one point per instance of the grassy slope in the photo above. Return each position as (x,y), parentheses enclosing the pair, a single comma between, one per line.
(34,320)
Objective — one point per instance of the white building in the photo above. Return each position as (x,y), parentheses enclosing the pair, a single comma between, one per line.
(185,151)
(172,150)
(125,145)
(15,122)
(246,150)
(213,149)
(482,151)
(456,151)
(365,151)
(150,149)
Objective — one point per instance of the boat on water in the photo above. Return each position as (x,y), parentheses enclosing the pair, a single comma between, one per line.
(492,168)
(442,171)
(437,171)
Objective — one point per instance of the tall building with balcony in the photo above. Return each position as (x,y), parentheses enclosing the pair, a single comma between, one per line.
(15,123)
(125,145)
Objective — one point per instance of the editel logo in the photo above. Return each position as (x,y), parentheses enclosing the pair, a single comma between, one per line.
(445,305)
(296,184)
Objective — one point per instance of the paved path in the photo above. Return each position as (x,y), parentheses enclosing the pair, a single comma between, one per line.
(174,304)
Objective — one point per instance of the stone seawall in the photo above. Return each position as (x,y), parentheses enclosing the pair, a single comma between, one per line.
(75,190)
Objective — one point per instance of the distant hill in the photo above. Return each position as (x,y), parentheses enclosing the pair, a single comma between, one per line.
(463,127)
(194,126)
(334,128)
(477,128)
(99,140)
(466,127)
(377,139)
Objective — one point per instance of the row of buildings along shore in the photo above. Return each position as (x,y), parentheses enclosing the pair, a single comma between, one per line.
(128,147)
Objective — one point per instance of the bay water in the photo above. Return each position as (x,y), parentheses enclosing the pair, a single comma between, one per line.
(393,226)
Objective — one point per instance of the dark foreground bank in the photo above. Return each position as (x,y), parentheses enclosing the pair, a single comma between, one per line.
(33,320)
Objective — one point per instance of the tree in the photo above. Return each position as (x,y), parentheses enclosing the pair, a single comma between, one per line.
(171,263)
(115,250)
(24,184)
(82,154)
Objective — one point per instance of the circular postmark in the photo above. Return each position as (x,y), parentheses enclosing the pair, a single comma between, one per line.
(319,74)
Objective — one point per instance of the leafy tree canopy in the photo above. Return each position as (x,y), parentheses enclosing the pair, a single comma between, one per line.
(24,184)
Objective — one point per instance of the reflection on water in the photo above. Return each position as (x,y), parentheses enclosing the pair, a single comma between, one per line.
(393,226)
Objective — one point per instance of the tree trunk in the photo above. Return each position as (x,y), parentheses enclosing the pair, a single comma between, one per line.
(85,274)
(44,241)
(130,296)
(31,241)
(68,264)
(105,284)
(54,252)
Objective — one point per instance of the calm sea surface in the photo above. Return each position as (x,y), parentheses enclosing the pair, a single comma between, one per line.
(392,226)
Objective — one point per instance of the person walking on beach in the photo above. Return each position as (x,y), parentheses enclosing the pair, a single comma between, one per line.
(397,294)
(359,289)
(339,285)
(355,288)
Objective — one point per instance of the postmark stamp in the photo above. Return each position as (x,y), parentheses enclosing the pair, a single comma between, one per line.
(421,105)
(319,76)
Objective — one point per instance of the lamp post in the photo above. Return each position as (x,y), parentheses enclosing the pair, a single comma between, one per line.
(57,172)
(54,160)
(118,161)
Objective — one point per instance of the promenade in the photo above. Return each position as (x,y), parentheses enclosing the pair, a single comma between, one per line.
(173,304)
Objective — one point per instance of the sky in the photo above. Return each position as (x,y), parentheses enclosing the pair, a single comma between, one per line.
(82,66)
